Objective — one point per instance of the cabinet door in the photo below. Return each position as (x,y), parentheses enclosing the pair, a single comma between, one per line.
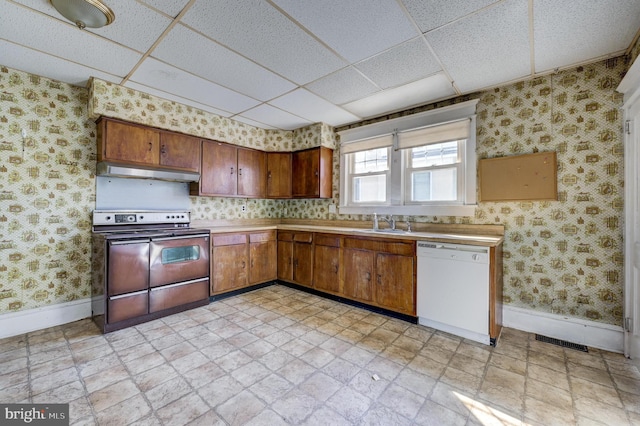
(262,260)
(394,282)
(285,260)
(279,175)
(219,169)
(358,269)
(326,268)
(128,269)
(306,174)
(180,151)
(302,263)
(229,268)
(130,143)
(251,171)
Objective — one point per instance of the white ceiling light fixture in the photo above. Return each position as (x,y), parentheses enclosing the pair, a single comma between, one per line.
(85,13)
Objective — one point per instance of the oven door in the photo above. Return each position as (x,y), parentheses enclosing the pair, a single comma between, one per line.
(178,258)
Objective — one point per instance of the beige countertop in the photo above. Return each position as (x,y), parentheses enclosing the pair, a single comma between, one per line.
(443,237)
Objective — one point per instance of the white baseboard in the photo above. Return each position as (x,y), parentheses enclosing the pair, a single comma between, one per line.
(575,330)
(15,323)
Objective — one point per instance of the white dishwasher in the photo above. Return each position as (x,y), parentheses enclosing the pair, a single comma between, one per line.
(453,289)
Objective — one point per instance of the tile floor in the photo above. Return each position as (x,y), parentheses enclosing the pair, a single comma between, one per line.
(280,356)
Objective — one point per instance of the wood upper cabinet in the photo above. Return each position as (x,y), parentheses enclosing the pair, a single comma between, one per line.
(278,175)
(125,142)
(229,262)
(251,171)
(327,271)
(295,257)
(381,272)
(181,151)
(312,173)
(262,257)
(228,170)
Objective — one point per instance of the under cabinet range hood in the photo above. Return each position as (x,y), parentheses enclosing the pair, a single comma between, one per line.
(105,168)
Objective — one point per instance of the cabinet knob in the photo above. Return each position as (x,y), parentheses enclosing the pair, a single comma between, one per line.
(232,170)
(163,149)
(379,279)
(243,264)
(150,146)
(316,173)
(335,269)
(239,172)
(269,175)
(368,276)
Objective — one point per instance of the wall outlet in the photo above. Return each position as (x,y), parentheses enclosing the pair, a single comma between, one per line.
(332,208)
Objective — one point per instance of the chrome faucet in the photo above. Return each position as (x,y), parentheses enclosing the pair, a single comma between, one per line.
(390,220)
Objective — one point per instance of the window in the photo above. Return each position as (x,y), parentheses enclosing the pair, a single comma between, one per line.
(417,165)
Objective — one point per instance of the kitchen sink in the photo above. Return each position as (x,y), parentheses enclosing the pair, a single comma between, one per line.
(385,231)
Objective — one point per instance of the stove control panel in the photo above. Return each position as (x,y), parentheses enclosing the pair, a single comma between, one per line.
(104,217)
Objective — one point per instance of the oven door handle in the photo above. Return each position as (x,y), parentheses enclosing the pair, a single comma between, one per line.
(178,284)
(180,237)
(135,293)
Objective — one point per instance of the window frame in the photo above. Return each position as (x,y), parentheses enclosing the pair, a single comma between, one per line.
(352,175)
(398,188)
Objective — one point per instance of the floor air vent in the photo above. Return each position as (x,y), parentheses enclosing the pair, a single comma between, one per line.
(562,343)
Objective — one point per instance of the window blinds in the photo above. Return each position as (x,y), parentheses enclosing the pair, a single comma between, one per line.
(367,144)
(446,132)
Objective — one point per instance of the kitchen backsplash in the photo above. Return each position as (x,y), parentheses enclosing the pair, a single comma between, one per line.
(563,256)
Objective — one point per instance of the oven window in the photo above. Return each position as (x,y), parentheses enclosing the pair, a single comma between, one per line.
(180,254)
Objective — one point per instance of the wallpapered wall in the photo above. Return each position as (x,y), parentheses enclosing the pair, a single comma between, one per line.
(563,256)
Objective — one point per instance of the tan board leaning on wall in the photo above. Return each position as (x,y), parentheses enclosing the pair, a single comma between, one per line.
(519,177)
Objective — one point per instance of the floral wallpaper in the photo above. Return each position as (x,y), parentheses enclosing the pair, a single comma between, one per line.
(47,191)
(561,256)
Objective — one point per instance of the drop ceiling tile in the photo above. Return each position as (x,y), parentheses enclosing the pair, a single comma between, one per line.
(274,117)
(252,122)
(477,53)
(419,92)
(136,26)
(402,64)
(171,97)
(170,7)
(64,40)
(258,31)
(343,86)
(34,62)
(184,49)
(315,109)
(356,29)
(431,14)
(161,76)
(579,31)
(126,29)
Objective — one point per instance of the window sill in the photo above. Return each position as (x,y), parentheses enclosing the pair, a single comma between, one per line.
(451,210)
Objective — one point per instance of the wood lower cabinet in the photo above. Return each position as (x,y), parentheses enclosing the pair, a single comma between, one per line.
(242,259)
(262,253)
(327,271)
(381,272)
(229,262)
(295,257)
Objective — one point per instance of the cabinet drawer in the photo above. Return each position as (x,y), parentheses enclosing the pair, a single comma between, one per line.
(262,236)
(285,236)
(127,306)
(304,237)
(327,240)
(229,239)
(406,248)
(173,295)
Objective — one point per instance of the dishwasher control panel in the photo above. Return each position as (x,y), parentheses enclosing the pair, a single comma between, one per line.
(457,252)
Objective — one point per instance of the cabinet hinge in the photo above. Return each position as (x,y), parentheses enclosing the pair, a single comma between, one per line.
(628,324)
(627,127)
